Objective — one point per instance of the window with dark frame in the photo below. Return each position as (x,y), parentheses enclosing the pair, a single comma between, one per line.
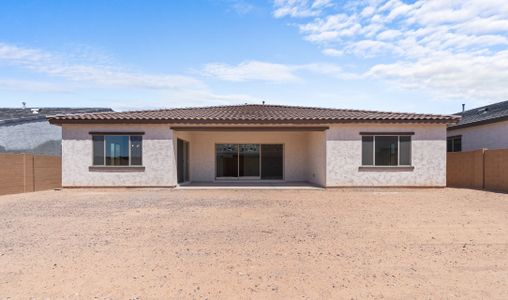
(117,150)
(386,150)
(454,143)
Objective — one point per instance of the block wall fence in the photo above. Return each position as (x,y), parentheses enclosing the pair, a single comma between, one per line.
(22,173)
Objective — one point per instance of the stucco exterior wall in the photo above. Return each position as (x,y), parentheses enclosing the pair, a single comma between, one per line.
(489,136)
(158,157)
(327,158)
(202,151)
(344,148)
(316,155)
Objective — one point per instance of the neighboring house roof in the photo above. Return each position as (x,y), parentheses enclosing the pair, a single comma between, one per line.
(253,114)
(482,115)
(10,116)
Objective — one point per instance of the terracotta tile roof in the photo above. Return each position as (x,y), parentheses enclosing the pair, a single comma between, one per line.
(251,114)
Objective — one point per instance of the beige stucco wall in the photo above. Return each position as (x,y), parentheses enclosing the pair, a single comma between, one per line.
(489,136)
(158,157)
(327,158)
(316,155)
(202,151)
(343,156)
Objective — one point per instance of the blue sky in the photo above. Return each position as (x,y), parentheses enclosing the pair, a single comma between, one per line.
(422,56)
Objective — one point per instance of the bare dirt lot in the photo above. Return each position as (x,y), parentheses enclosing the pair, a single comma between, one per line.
(426,243)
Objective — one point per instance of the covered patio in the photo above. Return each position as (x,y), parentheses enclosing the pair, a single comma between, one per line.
(250,156)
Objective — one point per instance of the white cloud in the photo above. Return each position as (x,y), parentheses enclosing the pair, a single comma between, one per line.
(332,52)
(70,74)
(451,76)
(334,27)
(319,68)
(59,66)
(484,25)
(370,48)
(389,34)
(32,86)
(367,11)
(451,48)
(299,8)
(265,71)
(250,70)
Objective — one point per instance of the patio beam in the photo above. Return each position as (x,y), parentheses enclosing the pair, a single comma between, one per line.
(249,128)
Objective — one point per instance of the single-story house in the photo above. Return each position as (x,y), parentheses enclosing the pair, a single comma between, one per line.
(26,129)
(484,127)
(260,143)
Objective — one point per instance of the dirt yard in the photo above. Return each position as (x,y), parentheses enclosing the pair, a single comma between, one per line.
(309,244)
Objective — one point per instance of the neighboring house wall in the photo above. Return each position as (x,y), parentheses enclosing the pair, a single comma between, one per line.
(489,136)
(38,137)
(158,157)
(344,150)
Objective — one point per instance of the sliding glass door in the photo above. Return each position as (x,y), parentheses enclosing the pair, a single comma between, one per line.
(249,161)
(272,162)
(227,160)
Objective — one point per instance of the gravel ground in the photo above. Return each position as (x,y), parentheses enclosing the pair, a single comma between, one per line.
(135,243)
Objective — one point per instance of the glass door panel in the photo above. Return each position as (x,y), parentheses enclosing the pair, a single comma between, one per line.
(117,150)
(249,160)
(182,160)
(226,160)
(272,163)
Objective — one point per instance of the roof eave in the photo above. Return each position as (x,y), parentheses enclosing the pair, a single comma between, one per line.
(478,123)
(57,121)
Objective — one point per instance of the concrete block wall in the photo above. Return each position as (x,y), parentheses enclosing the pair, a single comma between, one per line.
(480,169)
(22,173)
(465,169)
